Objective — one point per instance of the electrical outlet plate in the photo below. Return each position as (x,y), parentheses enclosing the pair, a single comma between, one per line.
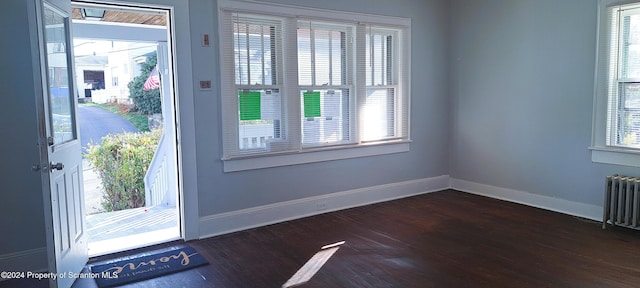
(322,205)
(205,40)
(205,85)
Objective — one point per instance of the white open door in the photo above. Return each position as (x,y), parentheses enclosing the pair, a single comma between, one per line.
(61,169)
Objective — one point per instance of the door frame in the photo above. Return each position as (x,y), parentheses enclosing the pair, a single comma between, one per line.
(183,101)
(183,89)
(166,67)
(184,106)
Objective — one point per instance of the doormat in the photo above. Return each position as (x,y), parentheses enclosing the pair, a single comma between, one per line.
(137,268)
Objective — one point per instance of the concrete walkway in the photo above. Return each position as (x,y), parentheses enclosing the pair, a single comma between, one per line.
(92,189)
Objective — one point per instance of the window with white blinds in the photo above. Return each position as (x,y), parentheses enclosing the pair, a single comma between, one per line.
(254,92)
(380,103)
(293,84)
(617,97)
(323,54)
(624,80)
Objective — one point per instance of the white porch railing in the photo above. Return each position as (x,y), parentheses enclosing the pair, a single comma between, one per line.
(160,181)
(157,178)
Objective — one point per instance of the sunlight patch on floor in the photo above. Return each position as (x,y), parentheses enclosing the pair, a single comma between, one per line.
(304,274)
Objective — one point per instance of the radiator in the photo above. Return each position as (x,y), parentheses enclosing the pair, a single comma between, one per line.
(622,202)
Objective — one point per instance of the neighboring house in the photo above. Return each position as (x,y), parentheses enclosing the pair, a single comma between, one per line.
(90,74)
(104,75)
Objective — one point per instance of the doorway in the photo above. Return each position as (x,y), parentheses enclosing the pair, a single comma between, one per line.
(131,48)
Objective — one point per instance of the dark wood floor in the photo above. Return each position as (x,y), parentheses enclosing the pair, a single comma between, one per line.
(442,239)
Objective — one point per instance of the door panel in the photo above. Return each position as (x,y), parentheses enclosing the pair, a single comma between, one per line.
(75,216)
(58,198)
(67,245)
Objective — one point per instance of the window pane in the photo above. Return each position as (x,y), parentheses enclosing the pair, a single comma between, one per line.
(321,57)
(60,94)
(631,47)
(629,115)
(338,58)
(325,116)
(254,45)
(630,95)
(304,57)
(260,118)
(629,129)
(379,59)
(378,113)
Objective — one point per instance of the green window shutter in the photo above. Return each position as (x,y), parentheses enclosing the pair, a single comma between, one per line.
(311,104)
(249,105)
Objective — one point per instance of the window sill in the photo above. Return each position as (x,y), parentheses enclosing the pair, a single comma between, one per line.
(617,156)
(314,155)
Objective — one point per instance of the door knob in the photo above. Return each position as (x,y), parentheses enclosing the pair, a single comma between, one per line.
(55,166)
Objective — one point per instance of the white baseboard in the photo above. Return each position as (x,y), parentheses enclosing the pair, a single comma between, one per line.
(223,223)
(228,222)
(34,260)
(583,210)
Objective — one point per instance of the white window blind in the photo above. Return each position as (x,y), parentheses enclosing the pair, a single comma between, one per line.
(292,83)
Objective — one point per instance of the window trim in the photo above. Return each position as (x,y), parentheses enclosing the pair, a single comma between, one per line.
(277,159)
(299,154)
(601,150)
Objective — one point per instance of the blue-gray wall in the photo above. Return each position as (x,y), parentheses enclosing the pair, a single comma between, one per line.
(501,95)
(522,79)
(223,192)
(22,215)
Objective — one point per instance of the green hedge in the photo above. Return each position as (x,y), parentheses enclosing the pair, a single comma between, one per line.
(147,102)
(121,161)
